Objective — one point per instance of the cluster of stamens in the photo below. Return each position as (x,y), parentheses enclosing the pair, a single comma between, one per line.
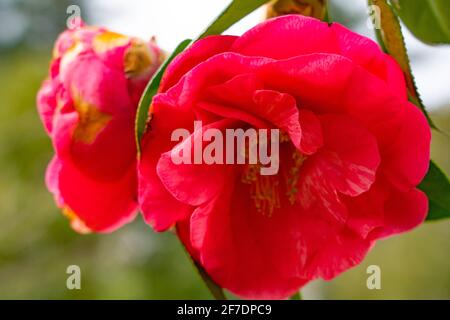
(265,190)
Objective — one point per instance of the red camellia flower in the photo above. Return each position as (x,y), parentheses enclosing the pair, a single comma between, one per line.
(88,106)
(352,151)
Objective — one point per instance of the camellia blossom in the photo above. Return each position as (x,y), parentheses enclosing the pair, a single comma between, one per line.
(352,151)
(88,106)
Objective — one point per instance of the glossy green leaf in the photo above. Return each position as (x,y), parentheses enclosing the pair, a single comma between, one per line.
(150,91)
(237,10)
(391,39)
(437,187)
(214,288)
(428,20)
(297,296)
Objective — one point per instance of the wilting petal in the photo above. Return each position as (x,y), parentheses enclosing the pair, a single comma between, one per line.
(102,207)
(46,102)
(88,106)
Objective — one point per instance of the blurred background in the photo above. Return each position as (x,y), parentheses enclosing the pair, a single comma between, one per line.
(36,242)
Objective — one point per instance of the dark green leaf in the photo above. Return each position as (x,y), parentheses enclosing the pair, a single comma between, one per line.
(237,10)
(428,20)
(150,91)
(437,188)
(391,39)
(213,287)
(297,296)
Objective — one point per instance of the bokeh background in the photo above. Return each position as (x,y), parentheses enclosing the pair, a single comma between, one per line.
(36,242)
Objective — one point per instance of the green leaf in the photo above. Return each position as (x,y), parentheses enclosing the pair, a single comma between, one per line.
(428,20)
(213,287)
(391,39)
(437,187)
(215,290)
(237,10)
(297,296)
(150,91)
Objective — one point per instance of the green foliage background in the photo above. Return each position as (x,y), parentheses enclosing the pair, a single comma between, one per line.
(37,245)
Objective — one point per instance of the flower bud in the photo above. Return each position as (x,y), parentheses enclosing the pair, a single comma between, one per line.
(88,106)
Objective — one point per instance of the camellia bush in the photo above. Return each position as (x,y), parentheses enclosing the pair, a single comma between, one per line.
(137,130)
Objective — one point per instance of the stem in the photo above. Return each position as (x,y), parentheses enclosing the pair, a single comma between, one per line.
(215,290)
(297,296)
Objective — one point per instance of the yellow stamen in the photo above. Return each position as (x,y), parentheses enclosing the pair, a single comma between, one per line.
(263,190)
(292,179)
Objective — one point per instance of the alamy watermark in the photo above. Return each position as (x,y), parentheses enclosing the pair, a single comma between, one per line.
(374,280)
(374,20)
(236,146)
(74,19)
(73,281)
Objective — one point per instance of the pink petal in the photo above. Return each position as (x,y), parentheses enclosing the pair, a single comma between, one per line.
(159,207)
(246,252)
(102,207)
(194,55)
(195,184)
(403,212)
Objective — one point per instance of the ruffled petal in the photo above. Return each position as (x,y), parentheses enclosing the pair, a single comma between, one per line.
(403,211)
(159,207)
(353,91)
(295,35)
(197,181)
(194,55)
(253,255)
(46,103)
(347,165)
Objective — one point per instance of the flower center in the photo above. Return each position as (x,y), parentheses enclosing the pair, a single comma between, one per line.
(292,179)
(265,190)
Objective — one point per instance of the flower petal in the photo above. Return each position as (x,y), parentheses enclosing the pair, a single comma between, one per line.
(295,35)
(159,207)
(251,254)
(102,207)
(196,183)
(194,55)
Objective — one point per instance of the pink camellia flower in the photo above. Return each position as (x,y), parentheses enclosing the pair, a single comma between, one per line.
(352,151)
(88,106)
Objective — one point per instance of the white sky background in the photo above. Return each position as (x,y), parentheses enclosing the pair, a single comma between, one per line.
(175,20)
